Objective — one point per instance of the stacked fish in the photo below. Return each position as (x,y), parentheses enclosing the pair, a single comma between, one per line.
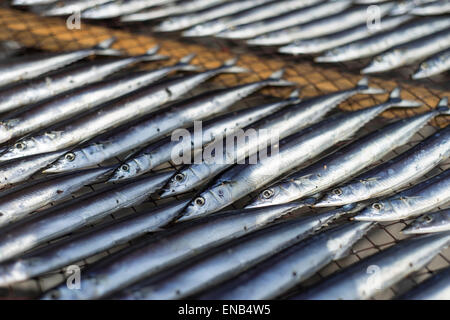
(71,119)
(395,33)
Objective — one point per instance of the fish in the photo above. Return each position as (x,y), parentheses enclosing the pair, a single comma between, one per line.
(9,49)
(229,260)
(166,250)
(161,151)
(352,159)
(364,279)
(393,174)
(304,15)
(320,44)
(429,223)
(31,66)
(16,171)
(51,111)
(282,272)
(405,6)
(319,27)
(171,10)
(70,216)
(114,9)
(378,43)
(435,65)
(88,243)
(38,89)
(296,151)
(433,8)
(436,287)
(409,53)
(271,9)
(281,124)
(109,116)
(166,120)
(31,2)
(19,202)
(71,7)
(184,21)
(421,198)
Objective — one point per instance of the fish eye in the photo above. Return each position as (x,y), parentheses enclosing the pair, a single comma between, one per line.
(378,59)
(267,193)
(425,65)
(337,191)
(125,167)
(428,218)
(179,177)
(70,156)
(200,201)
(20,145)
(377,206)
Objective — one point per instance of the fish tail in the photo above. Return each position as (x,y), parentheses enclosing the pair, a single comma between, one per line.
(150,54)
(442,106)
(184,63)
(396,99)
(230,66)
(294,97)
(104,48)
(275,79)
(363,87)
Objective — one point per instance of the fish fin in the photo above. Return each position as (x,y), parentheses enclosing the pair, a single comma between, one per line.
(104,48)
(363,87)
(230,66)
(442,106)
(184,63)
(396,98)
(275,79)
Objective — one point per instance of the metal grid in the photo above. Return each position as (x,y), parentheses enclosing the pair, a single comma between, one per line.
(52,34)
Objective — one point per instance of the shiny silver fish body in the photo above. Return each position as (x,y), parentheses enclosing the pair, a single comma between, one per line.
(424,197)
(68,217)
(381,42)
(281,273)
(296,151)
(271,9)
(161,151)
(320,27)
(429,223)
(409,53)
(87,244)
(170,9)
(405,6)
(434,8)
(71,7)
(394,174)
(18,203)
(437,64)
(188,20)
(15,171)
(317,45)
(116,9)
(435,288)
(229,260)
(252,30)
(281,124)
(82,99)
(36,65)
(167,250)
(371,275)
(42,88)
(31,2)
(177,116)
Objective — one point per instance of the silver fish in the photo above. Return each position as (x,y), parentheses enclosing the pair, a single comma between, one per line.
(82,99)
(281,124)
(19,202)
(296,151)
(271,9)
(409,53)
(369,276)
(381,42)
(435,288)
(437,64)
(424,197)
(393,174)
(296,17)
(87,244)
(71,7)
(161,151)
(230,259)
(116,9)
(170,10)
(321,27)
(42,88)
(31,2)
(405,6)
(67,217)
(280,273)
(320,44)
(157,126)
(434,8)
(431,222)
(168,249)
(36,65)
(15,171)
(188,20)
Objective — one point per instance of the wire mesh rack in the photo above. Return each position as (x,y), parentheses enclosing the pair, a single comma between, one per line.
(52,34)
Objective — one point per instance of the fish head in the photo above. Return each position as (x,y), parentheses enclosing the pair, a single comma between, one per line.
(333,55)
(20,149)
(378,211)
(127,170)
(204,29)
(70,161)
(340,196)
(6,131)
(428,68)
(423,224)
(385,62)
(268,197)
(183,181)
(235,32)
(173,24)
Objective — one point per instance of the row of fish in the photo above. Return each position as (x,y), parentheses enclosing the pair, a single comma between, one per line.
(217,245)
